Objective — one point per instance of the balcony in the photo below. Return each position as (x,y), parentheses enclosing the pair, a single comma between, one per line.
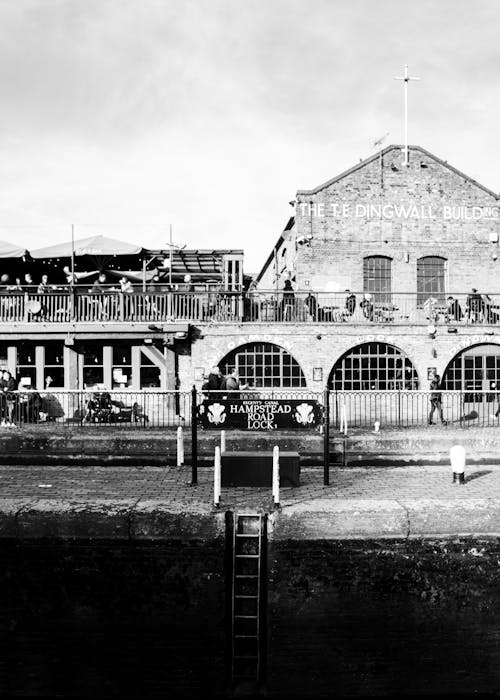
(66,305)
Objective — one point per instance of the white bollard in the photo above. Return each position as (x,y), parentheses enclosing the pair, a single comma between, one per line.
(457,459)
(222,440)
(217,477)
(180,446)
(276,475)
(376,426)
(345,418)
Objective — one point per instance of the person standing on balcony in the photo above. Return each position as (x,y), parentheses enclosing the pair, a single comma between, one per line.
(350,305)
(288,304)
(475,307)
(436,400)
(453,309)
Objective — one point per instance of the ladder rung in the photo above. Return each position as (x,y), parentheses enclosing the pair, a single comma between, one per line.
(253,676)
(246,576)
(253,597)
(247,556)
(253,656)
(250,534)
(246,636)
(246,617)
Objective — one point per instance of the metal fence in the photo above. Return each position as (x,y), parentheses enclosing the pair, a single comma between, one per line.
(127,409)
(169,409)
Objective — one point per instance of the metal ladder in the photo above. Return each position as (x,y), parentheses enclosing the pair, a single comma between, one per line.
(246,667)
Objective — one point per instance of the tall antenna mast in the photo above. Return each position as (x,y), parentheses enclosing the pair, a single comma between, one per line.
(406,79)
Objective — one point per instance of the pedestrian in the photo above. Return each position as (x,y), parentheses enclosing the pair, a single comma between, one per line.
(436,400)
(8,397)
(232,383)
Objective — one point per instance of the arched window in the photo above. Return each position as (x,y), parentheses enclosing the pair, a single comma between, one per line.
(377,278)
(431,273)
(474,369)
(264,365)
(373,366)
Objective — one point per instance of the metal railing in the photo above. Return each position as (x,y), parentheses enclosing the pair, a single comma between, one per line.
(170,409)
(66,304)
(130,409)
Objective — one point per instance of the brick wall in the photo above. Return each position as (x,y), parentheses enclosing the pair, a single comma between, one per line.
(343,235)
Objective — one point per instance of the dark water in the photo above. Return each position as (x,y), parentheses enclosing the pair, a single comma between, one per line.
(150,619)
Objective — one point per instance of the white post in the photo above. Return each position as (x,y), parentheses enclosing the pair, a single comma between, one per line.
(376,426)
(345,417)
(457,459)
(180,446)
(276,475)
(217,477)
(222,440)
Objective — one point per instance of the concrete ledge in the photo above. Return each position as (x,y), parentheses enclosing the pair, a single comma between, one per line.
(107,519)
(363,519)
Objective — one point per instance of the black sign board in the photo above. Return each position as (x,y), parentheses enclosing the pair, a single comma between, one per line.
(260,414)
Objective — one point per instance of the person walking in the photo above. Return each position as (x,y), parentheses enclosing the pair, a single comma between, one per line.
(436,400)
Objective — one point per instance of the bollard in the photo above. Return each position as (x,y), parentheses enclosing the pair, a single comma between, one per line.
(457,459)
(222,440)
(376,426)
(276,476)
(217,477)
(180,446)
(344,412)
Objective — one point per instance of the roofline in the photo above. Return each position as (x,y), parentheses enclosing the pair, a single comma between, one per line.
(381,153)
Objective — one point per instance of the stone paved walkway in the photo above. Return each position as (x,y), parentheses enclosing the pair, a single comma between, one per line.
(170,486)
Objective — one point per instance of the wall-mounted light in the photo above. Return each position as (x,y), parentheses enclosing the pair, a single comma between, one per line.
(317,374)
(431,330)
(407,257)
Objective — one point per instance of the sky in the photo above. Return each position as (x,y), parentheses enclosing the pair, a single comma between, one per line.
(123,117)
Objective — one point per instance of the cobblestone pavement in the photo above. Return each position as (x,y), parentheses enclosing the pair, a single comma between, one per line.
(171,486)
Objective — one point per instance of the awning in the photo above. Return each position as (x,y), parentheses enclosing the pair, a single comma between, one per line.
(95,246)
(9,250)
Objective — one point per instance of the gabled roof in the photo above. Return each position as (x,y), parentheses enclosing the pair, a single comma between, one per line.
(393,147)
(290,224)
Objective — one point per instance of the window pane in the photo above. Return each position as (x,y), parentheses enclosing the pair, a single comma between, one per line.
(431,279)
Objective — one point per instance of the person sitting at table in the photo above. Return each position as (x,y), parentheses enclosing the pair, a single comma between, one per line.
(367,306)
(350,304)
(453,309)
(71,277)
(28,280)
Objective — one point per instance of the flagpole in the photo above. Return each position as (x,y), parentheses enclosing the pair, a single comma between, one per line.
(72,253)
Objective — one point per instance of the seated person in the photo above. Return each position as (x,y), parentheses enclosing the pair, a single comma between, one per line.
(367,306)
(312,308)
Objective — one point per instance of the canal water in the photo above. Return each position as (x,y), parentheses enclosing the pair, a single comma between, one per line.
(151,619)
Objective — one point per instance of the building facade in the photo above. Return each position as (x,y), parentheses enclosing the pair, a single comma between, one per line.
(384,275)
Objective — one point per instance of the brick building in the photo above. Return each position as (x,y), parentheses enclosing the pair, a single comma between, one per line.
(382,260)
(369,288)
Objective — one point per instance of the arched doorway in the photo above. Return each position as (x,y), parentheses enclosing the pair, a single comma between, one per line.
(475,372)
(373,366)
(264,365)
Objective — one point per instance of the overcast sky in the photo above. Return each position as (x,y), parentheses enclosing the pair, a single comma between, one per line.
(123,116)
